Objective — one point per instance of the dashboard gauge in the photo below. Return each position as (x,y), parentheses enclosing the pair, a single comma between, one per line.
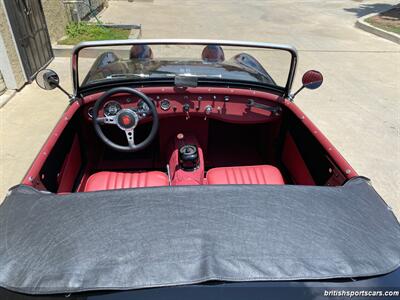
(90,112)
(111,108)
(143,107)
(165,104)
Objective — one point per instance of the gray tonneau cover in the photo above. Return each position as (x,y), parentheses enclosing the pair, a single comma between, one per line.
(138,238)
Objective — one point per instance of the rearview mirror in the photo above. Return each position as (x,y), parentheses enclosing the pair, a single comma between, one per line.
(47,79)
(312,79)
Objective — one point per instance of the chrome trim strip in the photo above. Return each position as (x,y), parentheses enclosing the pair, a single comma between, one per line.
(80,46)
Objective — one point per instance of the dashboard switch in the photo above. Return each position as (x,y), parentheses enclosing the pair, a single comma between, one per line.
(186,108)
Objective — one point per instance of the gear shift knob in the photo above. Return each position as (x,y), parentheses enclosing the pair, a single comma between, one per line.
(188,157)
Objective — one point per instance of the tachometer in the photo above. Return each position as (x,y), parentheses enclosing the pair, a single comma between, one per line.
(111,108)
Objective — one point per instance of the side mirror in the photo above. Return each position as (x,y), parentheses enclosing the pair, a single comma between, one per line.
(47,79)
(311,80)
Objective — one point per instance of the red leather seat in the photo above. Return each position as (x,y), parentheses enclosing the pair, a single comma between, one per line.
(263,174)
(119,180)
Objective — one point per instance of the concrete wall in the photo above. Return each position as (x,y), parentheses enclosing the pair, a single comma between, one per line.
(56,18)
(10,65)
(59,14)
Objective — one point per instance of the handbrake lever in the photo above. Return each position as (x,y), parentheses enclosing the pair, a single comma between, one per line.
(274,109)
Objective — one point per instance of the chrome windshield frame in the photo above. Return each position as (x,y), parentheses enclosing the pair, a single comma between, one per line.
(75,53)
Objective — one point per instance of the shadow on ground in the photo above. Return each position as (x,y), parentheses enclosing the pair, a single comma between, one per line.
(366,9)
(392,14)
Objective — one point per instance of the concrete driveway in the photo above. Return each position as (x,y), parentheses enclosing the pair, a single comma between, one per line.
(357,107)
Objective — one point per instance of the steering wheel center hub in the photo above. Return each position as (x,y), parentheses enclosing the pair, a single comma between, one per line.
(127,119)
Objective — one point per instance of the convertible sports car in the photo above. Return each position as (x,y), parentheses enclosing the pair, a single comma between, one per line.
(183,169)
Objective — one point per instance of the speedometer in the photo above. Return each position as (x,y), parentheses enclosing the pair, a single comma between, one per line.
(111,108)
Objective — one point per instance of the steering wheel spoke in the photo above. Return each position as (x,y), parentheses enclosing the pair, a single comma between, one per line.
(130,136)
(107,120)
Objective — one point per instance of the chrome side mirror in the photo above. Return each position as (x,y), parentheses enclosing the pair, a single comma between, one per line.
(311,80)
(47,79)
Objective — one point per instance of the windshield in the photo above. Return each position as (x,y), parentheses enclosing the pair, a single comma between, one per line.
(224,62)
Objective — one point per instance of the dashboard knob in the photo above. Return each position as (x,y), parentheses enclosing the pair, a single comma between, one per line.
(186,107)
(207,111)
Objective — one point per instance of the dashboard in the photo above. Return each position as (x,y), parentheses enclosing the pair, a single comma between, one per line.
(229,108)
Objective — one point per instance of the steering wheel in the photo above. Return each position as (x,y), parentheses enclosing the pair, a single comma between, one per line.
(126,119)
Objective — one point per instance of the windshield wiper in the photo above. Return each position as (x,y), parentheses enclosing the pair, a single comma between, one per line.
(170,74)
(199,75)
(121,76)
(127,75)
(142,76)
